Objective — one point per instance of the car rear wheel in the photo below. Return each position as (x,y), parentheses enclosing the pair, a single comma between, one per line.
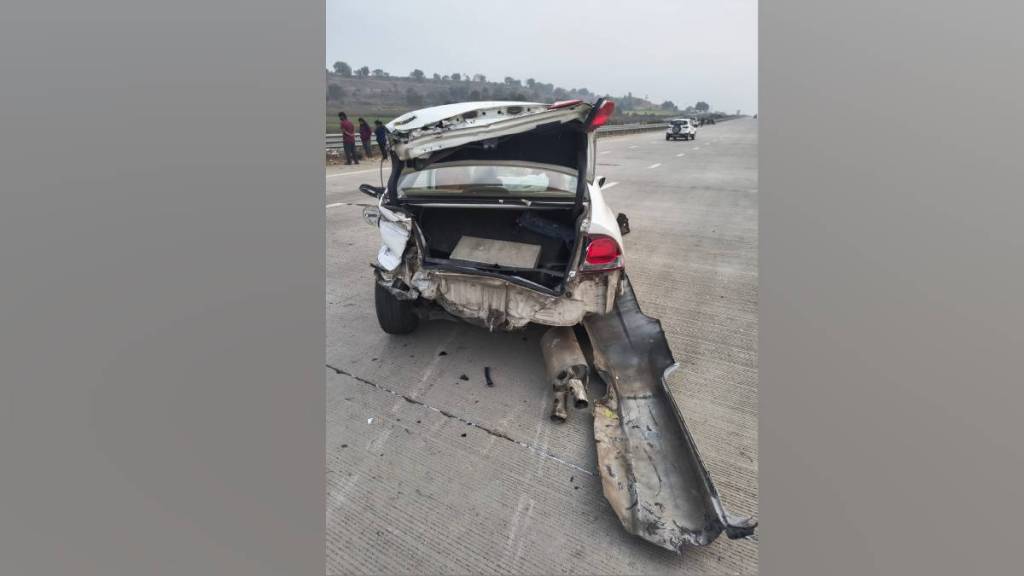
(394,316)
(667,137)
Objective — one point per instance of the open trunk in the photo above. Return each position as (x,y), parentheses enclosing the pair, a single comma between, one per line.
(496,188)
(531,244)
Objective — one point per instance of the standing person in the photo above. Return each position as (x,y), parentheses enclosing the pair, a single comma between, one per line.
(348,138)
(382,137)
(365,134)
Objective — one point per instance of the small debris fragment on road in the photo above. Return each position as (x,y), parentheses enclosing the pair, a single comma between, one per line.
(369,420)
(463,377)
(442,353)
(487,376)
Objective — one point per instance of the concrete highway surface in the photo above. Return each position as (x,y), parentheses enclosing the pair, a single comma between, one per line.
(431,471)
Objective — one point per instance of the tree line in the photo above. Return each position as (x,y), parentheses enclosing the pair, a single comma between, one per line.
(476,87)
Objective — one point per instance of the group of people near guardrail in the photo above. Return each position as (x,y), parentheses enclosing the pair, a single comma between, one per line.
(366,136)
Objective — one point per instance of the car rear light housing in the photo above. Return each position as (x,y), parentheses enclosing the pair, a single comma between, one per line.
(601,116)
(602,253)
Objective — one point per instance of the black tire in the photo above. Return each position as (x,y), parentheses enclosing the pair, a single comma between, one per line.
(394,316)
(667,137)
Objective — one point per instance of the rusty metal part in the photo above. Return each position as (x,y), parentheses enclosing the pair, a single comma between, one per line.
(651,471)
(566,368)
(563,357)
(558,412)
(578,393)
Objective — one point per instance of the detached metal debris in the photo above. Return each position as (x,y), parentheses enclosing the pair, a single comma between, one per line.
(650,469)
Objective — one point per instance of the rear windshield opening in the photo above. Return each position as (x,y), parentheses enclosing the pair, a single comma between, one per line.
(557,144)
(497,179)
(542,162)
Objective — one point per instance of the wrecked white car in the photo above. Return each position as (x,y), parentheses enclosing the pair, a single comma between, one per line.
(492,214)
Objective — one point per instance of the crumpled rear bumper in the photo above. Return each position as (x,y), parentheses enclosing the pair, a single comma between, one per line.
(651,471)
(499,304)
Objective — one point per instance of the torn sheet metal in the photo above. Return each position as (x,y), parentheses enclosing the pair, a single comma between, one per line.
(498,304)
(395,229)
(651,471)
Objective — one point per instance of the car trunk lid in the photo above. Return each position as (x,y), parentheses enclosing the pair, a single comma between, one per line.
(420,133)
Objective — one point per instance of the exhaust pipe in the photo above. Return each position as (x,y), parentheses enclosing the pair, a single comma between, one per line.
(558,412)
(566,369)
(579,393)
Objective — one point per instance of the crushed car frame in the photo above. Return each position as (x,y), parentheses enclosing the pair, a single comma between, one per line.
(492,214)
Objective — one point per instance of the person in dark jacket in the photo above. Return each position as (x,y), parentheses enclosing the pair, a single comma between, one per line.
(382,137)
(348,138)
(366,135)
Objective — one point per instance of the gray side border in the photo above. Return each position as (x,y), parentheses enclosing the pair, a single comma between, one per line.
(162,293)
(891,283)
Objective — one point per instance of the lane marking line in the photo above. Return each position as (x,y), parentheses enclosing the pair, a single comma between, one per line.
(681,154)
(696,147)
(605,152)
(633,146)
(353,172)
(654,165)
(363,204)
(608,185)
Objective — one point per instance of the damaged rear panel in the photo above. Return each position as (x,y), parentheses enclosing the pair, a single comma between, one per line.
(650,468)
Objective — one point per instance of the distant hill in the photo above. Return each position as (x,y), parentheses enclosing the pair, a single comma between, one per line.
(381,97)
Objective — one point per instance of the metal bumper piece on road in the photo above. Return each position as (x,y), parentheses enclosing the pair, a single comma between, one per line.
(650,469)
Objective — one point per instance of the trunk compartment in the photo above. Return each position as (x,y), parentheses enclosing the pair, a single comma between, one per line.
(528,243)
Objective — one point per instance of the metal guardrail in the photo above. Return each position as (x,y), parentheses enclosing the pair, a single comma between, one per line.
(334,142)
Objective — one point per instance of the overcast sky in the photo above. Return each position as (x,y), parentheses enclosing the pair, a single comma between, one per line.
(678,50)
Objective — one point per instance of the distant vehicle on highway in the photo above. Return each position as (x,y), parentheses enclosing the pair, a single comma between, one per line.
(493,214)
(681,129)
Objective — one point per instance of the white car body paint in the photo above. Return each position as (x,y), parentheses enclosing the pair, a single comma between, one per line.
(395,236)
(602,219)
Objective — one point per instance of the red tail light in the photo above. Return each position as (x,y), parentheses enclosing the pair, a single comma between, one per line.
(602,253)
(602,115)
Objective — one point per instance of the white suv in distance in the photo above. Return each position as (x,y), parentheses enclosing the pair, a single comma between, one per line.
(681,128)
